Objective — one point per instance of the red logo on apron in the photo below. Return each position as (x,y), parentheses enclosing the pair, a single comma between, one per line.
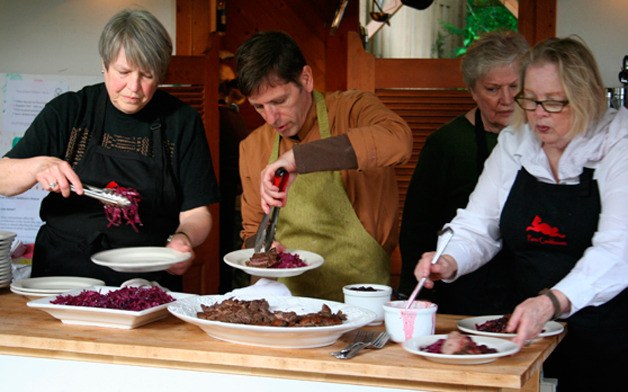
(543,233)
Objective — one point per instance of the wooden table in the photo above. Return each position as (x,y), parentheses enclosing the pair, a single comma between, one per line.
(170,343)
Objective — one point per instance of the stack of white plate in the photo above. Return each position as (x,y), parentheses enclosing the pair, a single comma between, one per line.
(6,239)
(48,286)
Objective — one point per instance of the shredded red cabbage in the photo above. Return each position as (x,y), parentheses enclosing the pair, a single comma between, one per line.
(127,298)
(435,348)
(288,260)
(115,213)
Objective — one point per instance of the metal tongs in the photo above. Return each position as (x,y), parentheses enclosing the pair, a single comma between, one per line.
(105,195)
(266,232)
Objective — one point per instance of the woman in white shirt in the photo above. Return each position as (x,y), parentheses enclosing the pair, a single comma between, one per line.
(555,192)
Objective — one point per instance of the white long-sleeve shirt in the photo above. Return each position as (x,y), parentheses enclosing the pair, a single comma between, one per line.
(602,272)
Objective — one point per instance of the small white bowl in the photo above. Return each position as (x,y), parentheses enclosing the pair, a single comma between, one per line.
(402,324)
(372,299)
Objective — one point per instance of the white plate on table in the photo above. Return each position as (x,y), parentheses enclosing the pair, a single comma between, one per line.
(503,347)
(468,325)
(238,259)
(103,317)
(51,285)
(277,337)
(139,259)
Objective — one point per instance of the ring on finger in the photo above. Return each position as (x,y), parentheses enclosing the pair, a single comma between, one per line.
(52,185)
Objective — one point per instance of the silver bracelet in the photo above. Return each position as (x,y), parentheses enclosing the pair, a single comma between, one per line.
(171,237)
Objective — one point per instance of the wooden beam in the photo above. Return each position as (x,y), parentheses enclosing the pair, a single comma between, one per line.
(537,19)
(194,24)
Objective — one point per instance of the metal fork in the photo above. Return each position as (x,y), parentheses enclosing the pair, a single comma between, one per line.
(378,343)
(360,337)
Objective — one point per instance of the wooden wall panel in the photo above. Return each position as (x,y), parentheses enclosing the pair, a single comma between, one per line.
(425,110)
(195,21)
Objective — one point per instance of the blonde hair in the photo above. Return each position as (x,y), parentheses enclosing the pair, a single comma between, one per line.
(579,75)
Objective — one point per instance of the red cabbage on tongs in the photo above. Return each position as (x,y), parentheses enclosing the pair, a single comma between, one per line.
(115,214)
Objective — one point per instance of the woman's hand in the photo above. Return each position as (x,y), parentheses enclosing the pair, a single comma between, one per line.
(270,194)
(194,227)
(444,268)
(529,317)
(53,174)
(56,175)
(181,243)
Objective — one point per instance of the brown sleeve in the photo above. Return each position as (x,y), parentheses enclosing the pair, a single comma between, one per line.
(332,153)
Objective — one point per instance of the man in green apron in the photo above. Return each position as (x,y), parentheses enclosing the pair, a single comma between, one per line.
(344,203)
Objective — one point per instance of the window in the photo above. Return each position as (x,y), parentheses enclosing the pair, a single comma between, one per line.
(442,30)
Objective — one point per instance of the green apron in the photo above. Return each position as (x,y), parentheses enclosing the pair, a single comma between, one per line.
(321,219)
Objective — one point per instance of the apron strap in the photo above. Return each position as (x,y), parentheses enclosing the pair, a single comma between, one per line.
(321,115)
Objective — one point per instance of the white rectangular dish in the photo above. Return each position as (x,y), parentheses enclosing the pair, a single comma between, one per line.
(102,317)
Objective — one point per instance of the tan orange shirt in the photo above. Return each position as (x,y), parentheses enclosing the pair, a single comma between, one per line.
(378,140)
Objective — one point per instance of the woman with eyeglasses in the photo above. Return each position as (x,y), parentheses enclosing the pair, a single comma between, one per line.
(554,192)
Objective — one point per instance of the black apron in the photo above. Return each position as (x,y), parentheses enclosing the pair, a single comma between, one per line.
(548,227)
(76,228)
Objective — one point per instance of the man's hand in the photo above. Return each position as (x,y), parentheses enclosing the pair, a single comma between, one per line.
(271,196)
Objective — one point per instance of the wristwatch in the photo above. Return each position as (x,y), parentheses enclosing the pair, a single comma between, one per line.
(555,303)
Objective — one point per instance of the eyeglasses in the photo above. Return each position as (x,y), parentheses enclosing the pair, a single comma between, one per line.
(550,106)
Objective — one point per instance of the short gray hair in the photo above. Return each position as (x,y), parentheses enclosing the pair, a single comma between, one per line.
(144,39)
(491,50)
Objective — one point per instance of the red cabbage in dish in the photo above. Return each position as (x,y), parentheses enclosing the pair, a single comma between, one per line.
(127,298)
(275,259)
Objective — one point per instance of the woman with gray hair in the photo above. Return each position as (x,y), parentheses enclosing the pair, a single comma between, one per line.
(123,134)
(448,169)
(554,193)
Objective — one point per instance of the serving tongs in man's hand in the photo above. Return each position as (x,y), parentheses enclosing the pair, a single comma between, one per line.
(266,232)
(105,195)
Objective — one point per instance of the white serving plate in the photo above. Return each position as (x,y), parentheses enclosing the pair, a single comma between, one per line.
(503,347)
(139,259)
(7,236)
(50,285)
(238,259)
(102,317)
(277,337)
(468,325)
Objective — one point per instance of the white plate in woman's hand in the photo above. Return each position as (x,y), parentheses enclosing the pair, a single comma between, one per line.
(140,259)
